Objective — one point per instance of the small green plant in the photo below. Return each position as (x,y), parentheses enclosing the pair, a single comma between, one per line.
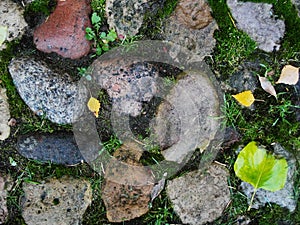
(101,40)
(260,169)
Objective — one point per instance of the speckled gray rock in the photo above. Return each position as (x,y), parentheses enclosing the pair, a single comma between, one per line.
(199,38)
(127,84)
(5,186)
(257,21)
(126,16)
(244,79)
(185,120)
(11,16)
(57,201)
(47,93)
(4,115)
(58,148)
(284,197)
(297,5)
(200,198)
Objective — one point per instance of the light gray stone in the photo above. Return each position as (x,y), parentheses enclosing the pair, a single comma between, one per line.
(200,198)
(47,93)
(5,186)
(284,197)
(258,21)
(11,17)
(127,16)
(4,115)
(186,119)
(297,5)
(57,201)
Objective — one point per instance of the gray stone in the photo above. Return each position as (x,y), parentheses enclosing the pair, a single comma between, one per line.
(297,5)
(284,197)
(4,115)
(47,93)
(244,79)
(198,38)
(58,148)
(57,201)
(257,21)
(200,198)
(185,120)
(11,17)
(5,186)
(126,16)
(127,84)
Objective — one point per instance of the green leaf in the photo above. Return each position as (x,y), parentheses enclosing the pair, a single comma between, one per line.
(95,18)
(260,169)
(112,36)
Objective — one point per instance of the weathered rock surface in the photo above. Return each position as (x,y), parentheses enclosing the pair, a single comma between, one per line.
(64,30)
(11,17)
(127,84)
(192,26)
(47,93)
(185,119)
(57,201)
(4,115)
(256,20)
(245,78)
(128,185)
(284,197)
(200,198)
(126,16)
(297,5)
(59,148)
(5,186)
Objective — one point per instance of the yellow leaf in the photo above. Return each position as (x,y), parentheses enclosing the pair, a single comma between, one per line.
(289,75)
(3,34)
(94,106)
(245,98)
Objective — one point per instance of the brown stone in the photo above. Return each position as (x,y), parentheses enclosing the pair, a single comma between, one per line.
(64,31)
(128,185)
(193,14)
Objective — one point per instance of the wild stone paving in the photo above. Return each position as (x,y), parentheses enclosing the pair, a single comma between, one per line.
(56,201)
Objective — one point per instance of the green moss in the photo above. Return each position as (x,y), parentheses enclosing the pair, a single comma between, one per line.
(43,6)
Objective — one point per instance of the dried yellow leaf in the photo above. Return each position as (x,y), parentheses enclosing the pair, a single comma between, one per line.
(289,75)
(267,86)
(94,106)
(245,98)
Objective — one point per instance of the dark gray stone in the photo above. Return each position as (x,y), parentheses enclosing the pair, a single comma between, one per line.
(58,148)
(47,93)
(284,197)
(258,21)
(56,201)
(200,198)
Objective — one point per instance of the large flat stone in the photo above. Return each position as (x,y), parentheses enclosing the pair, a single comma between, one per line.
(256,20)
(200,198)
(57,201)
